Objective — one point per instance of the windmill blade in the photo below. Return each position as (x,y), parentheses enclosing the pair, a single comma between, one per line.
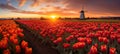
(85,11)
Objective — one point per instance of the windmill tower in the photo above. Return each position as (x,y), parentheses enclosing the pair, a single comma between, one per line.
(82,15)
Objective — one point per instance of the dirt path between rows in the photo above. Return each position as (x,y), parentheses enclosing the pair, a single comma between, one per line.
(35,43)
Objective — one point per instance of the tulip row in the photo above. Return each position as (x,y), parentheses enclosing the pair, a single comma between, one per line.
(78,37)
(11,39)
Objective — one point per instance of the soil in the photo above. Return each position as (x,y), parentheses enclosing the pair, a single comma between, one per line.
(35,43)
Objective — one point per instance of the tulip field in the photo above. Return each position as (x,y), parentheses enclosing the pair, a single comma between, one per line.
(65,37)
(12,39)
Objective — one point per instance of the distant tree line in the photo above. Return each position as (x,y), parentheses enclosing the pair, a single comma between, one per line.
(66,18)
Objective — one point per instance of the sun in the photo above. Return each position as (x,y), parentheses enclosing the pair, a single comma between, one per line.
(53,16)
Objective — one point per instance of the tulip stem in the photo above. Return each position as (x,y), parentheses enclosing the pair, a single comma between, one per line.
(81,51)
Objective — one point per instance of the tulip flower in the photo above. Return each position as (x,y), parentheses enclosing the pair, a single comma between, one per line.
(69,38)
(18,49)
(28,50)
(118,40)
(88,40)
(12,38)
(105,40)
(58,40)
(4,44)
(66,45)
(24,44)
(93,50)
(21,34)
(112,50)
(7,51)
(96,45)
(15,41)
(100,39)
(78,45)
(81,39)
(103,48)
(112,37)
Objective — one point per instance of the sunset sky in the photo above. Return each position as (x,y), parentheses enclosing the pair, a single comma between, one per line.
(59,8)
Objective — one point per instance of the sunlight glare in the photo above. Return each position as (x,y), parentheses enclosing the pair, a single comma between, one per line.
(53,17)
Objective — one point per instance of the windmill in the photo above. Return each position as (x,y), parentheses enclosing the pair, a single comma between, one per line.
(82,13)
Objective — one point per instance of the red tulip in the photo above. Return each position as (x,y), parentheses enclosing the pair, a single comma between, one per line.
(12,38)
(7,51)
(88,40)
(100,39)
(58,40)
(4,43)
(24,44)
(80,39)
(103,48)
(58,35)
(21,34)
(18,49)
(105,33)
(112,37)
(90,35)
(105,40)
(28,50)
(118,40)
(19,30)
(55,42)
(77,35)
(93,50)
(5,38)
(14,35)
(15,41)
(0,44)
(117,36)
(96,45)
(66,45)
(44,35)
(11,31)
(79,45)
(6,35)
(69,37)
(118,30)
(112,51)
(97,35)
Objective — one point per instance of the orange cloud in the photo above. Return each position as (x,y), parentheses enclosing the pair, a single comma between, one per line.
(22,2)
(47,13)
(67,7)
(35,3)
(51,8)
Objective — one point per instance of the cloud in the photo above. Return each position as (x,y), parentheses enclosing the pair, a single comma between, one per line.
(36,3)
(107,7)
(60,13)
(27,12)
(51,8)
(8,7)
(47,10)
(68,7)
(9,2)
(22,2)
